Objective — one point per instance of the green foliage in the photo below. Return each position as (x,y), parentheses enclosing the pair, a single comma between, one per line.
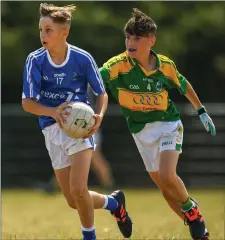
(191,33)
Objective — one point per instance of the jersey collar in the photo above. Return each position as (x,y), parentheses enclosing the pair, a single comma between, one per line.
(64,63)
(135,62)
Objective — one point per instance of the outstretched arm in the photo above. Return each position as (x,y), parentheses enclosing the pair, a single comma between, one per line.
(192,97)
(204,117)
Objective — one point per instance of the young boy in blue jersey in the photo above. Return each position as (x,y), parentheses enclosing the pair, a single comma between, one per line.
(54,75)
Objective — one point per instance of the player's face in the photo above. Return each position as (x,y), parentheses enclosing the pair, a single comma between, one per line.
(51,34)
(138,46)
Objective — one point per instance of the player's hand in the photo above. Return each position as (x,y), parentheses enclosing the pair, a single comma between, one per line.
(61,112)
(94,129)
(207,121)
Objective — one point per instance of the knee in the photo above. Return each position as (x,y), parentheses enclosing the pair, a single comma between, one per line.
(167,179)
(72,203)
(78,192)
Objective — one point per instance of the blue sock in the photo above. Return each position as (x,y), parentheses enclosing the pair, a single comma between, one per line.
(111,203)
(88,233)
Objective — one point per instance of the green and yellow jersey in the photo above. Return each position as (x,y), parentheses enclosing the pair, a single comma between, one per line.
(143,95)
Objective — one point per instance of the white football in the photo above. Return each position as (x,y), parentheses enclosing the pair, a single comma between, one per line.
(79,121)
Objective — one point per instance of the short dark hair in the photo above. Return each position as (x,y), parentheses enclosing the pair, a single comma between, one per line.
(57,14)
(140,24)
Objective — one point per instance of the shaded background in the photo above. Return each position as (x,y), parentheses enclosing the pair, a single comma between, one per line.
(190,33)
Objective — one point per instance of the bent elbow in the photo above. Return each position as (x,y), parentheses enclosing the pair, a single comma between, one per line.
(25,103)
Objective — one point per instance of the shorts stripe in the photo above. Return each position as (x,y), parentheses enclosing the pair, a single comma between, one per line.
(178,147)
(91,140)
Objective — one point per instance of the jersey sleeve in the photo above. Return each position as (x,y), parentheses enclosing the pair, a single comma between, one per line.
(31,79)
(105,75)
(94,77)
(182,86)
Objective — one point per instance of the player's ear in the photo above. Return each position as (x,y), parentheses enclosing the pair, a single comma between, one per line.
(66,32)
(152,40)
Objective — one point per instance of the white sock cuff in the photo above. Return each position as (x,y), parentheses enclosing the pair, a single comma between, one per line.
(106,202)
(88,229)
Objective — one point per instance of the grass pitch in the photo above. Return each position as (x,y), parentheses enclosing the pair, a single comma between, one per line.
(35,215)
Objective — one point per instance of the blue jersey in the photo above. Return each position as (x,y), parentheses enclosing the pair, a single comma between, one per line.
(52,84)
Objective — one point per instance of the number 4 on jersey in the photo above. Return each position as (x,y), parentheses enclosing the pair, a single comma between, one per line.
(149,87)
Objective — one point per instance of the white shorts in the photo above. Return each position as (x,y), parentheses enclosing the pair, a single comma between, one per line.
(157,137)
(60,146)
(98,138)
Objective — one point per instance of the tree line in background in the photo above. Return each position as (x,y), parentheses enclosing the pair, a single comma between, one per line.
(190,33)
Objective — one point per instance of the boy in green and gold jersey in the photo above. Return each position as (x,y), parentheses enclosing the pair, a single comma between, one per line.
(139,79)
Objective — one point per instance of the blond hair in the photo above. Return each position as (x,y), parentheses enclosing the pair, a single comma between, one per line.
(56,13)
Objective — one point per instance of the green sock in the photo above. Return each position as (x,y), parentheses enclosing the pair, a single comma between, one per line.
(187,205)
